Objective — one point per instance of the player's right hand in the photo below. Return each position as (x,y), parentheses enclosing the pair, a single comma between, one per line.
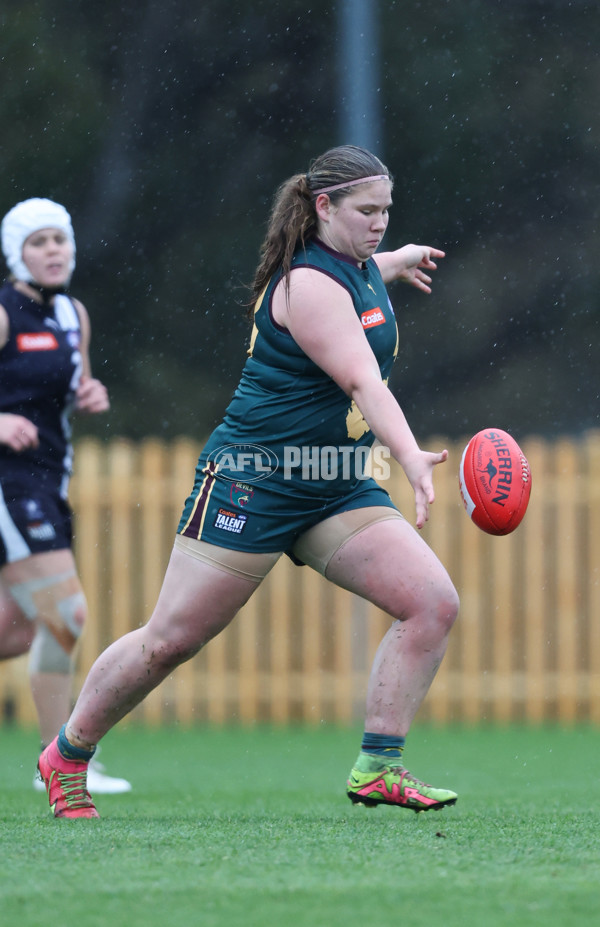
(18,432)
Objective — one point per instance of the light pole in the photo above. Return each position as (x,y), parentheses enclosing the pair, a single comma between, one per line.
(359,88)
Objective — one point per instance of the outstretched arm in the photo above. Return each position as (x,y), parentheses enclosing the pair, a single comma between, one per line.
(409,264)
(335,340)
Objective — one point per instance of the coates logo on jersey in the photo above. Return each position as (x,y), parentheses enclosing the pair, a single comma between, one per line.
(36,341)
(372,317)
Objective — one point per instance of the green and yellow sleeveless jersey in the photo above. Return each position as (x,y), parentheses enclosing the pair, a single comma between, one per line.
(286,406)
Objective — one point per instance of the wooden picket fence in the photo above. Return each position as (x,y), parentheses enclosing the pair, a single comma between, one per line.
(526,645)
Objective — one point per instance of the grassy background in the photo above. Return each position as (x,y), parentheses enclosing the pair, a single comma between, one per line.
(251,827)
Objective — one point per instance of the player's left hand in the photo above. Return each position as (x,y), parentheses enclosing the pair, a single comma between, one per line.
(417,259)
(92,396)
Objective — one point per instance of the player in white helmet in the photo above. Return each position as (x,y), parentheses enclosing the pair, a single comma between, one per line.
(44,376)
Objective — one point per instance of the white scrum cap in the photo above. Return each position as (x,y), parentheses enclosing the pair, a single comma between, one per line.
(22,221)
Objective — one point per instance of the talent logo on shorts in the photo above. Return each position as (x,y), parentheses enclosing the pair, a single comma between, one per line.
(41,532)
(240,494)
(249,463)
(36,341)
(38,528)
(372,317)
(234,522)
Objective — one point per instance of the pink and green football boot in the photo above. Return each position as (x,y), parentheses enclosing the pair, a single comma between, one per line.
(394,785)
(66,784)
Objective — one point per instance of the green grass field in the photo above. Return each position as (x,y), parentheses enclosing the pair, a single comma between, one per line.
(252,827)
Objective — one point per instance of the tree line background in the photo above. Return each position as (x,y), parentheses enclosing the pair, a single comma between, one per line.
(165,129)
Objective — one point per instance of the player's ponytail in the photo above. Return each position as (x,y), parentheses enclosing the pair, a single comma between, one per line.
(293,218)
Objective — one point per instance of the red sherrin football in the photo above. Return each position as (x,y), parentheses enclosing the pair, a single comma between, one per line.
(495,481)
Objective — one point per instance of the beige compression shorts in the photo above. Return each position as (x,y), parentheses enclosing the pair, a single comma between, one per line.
(315,547)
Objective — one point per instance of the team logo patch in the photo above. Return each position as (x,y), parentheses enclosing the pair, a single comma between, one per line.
(34,510)
(234,522)
(36,341)
(240,494)
(372,317)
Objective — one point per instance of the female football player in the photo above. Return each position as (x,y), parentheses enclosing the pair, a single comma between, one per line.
(44,376)
(313,397)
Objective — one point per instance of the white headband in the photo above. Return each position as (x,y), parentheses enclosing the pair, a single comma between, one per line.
(22,221)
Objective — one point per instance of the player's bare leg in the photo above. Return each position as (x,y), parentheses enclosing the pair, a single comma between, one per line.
(196,602)
(45,609)
(16,631)
(390,565)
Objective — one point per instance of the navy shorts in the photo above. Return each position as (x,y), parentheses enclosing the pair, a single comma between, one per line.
(33,519)
(256,518)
